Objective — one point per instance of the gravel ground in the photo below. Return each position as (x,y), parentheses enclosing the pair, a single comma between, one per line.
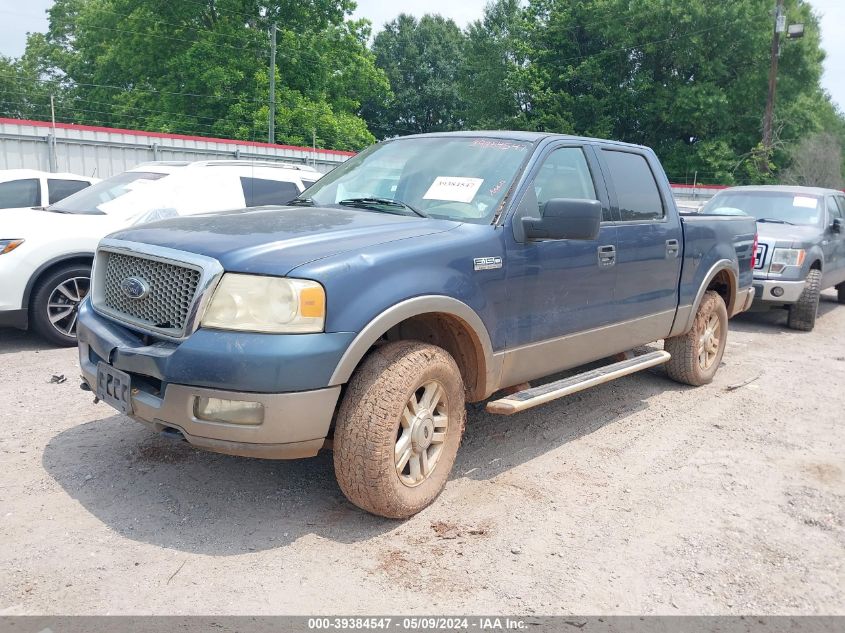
(640,496)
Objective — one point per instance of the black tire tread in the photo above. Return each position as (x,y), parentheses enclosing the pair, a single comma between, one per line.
(802,314)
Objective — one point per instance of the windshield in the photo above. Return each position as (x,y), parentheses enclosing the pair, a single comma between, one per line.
(462,179)
(90,201)
(772,206)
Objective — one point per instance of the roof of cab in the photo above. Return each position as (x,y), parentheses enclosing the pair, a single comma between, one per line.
(517,135)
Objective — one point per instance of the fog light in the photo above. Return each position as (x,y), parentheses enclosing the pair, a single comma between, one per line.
(229,411)
(777,291)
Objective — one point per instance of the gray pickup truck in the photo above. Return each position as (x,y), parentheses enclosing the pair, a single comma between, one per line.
(801,245)
(426,272)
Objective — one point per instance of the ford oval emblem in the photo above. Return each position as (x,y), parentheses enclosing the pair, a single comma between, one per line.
(135,287)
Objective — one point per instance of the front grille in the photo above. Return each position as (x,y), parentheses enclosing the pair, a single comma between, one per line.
(172,289)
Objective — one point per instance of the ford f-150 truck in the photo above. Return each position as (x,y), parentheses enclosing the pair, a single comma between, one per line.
(801,249)
(424,273)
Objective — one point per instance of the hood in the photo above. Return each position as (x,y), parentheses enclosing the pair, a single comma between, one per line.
(39,224)
(274,241)
(787,234)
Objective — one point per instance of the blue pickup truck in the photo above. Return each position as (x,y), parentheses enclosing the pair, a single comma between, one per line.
(424,273)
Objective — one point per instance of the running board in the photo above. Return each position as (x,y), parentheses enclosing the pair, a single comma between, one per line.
(522,400)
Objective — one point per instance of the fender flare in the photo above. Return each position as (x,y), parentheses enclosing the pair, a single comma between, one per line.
(68,257)
(403,310)
(683,323)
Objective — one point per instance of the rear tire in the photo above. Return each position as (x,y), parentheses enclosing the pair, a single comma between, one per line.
(802,314)
(55,303)
(399,428)
(697,354)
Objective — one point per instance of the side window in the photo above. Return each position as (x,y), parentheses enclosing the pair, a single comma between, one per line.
(636,189)
(61,189)
(307,183)
(19,193)
(564,174)
(258,191)
(835,211)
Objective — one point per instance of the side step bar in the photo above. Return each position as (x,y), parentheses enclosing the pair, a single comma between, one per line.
(522,400)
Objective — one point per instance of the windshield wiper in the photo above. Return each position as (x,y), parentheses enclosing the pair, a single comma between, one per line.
(774,221)
(301,202)
(369,203)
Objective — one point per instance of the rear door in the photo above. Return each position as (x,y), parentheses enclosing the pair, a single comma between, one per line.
(648,243)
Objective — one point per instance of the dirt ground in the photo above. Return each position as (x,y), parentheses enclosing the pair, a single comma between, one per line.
(640,496)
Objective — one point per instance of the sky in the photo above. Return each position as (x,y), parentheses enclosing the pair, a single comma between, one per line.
(17,18)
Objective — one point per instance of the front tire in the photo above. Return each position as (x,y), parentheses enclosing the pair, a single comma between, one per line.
(55,303)
(399,428)
(802,315)
(696,355)
(840,293)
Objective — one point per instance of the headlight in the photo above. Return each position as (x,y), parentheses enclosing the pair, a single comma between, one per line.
(784,257)
(266,304)
(7,246)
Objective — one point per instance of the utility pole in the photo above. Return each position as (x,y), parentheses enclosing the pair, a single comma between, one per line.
(780,27)
(54,156)
(271,136)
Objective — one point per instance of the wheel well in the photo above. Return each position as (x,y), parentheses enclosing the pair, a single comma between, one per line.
(723,283)
(456,337)
(51,268)
(817,265)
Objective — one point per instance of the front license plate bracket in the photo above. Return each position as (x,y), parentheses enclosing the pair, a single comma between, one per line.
(114,387)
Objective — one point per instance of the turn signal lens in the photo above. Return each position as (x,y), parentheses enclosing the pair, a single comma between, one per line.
(7,246)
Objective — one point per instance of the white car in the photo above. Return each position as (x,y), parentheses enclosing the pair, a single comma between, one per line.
(27,188)
(46,255)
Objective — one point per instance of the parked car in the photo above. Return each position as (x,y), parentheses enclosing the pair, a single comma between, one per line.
(46,255)
(380,301)
(27,188)
(802,245)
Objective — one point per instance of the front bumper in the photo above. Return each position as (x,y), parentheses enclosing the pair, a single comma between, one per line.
(294,425)
(288,375)
(763,291)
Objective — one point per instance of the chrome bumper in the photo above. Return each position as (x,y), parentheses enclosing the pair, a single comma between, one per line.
(295,424)
(791,290)
(744,301)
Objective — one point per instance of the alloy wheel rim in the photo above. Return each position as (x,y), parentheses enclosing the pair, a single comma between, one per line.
(422,434)
(63,304)
(708,343)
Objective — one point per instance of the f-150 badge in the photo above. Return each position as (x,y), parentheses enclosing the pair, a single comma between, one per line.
(487,263)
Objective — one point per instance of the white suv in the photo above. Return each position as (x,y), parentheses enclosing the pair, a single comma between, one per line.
(46,255)
(27,188)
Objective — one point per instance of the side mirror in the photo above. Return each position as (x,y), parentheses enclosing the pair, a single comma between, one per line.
(565,219)
(838,224)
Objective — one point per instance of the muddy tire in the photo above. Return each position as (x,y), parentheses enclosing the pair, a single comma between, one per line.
(55,303)
(399,428)
(840,293)
(697,354)
(802,314)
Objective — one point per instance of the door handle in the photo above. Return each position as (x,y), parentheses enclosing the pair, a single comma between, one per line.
(607,256)
(673,247)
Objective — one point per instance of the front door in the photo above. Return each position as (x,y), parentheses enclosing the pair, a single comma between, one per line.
(557,287)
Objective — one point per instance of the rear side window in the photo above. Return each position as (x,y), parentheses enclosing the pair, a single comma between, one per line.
(61,189)
(258,191)
(19,193)
(636,189)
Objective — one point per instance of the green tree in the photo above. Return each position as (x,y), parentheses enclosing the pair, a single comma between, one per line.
(200,67)
(422,60)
